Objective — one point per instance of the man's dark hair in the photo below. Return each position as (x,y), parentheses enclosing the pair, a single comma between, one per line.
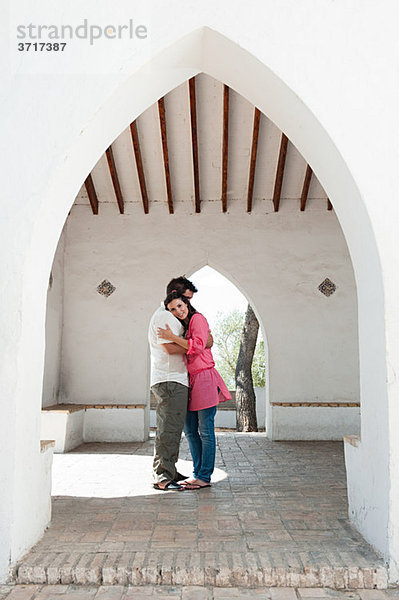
(180,285)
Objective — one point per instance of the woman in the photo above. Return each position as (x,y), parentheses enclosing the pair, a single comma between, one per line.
(207,388)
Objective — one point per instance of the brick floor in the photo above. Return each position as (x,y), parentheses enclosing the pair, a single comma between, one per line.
(276,515)
(74,592)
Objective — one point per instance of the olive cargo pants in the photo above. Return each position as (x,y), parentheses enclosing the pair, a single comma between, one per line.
(172,400)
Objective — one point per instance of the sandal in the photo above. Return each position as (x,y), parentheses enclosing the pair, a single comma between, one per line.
(168,487)
(190,486)
(195,482)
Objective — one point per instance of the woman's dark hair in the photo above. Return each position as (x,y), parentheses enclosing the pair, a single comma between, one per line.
(191,309)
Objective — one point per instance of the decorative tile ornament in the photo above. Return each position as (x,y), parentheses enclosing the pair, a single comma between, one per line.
(106,288)
(327,287)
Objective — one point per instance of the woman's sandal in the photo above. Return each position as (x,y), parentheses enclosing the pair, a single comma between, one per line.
(194,482)
(190,486)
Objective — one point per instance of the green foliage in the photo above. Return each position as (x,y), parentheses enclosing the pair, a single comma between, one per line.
(227,337)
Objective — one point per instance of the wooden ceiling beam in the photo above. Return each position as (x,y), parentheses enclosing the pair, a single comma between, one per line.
(305,187)
(252,166)
(115,179)
(225,146)
(139,164)
(194,140)
(280,172)
(162,122)
(329,205)
(91,192)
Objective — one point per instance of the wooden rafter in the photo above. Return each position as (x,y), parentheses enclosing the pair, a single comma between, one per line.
(255,136)
(162,121)
(194,139)
(306,186)
(280,172)
(91,192)
(139,164)
(225,146)
(329,205)
(115,179)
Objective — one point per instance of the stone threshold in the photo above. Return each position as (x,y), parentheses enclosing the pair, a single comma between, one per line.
(218,569)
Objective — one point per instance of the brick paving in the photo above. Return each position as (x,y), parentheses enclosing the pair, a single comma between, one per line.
(117,592)
(276,515)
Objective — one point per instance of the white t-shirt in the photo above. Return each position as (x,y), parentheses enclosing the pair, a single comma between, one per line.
(164,366)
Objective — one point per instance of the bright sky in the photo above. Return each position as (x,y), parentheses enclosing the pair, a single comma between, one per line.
(216,294)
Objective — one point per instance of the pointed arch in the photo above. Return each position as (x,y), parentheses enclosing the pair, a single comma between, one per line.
(208,51)
(223,273)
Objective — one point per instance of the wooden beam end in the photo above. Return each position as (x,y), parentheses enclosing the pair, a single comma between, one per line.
(91,192)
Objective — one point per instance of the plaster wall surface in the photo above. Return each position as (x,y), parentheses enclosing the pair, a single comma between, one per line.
(54,328)
(277,260)
(321,94)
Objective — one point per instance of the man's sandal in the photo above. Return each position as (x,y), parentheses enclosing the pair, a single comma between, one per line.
(168,487)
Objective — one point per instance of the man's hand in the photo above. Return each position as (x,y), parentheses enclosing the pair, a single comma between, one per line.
(209,341)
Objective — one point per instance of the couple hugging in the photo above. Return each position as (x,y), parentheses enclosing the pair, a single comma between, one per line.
(186,386)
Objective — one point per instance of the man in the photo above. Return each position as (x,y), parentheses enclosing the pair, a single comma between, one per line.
(169,384)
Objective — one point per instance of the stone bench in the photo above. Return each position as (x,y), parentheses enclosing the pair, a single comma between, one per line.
(73,424)
(46,445)
(312,420)
(226,411)
(227,405)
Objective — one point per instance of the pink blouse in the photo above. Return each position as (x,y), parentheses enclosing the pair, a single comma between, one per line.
(198,357)
(207,388)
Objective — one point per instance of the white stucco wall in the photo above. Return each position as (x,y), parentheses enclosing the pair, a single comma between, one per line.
(54,327)
(277,260)
(319,93)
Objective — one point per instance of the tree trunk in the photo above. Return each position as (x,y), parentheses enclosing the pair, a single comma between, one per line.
(245,394)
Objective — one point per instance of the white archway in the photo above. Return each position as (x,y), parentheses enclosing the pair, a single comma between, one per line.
(208,51)
(230,285)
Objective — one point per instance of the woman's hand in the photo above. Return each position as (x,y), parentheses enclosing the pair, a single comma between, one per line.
(166,334)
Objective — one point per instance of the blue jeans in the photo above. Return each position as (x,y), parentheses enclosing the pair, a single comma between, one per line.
(199,429)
